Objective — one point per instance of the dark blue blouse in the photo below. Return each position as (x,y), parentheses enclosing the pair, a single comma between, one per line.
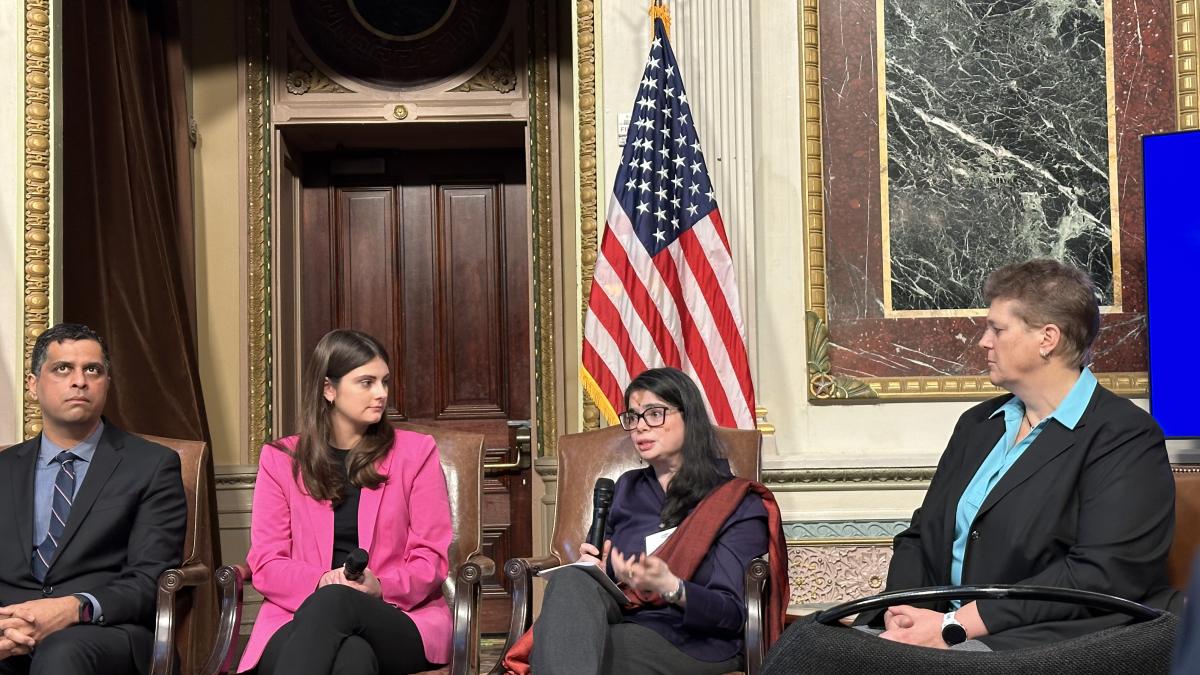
(709,628)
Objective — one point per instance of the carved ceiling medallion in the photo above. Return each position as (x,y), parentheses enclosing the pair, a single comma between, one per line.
(402,45)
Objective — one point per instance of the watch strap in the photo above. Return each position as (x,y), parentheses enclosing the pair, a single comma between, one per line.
(672,597)
(86,611)
(953,632)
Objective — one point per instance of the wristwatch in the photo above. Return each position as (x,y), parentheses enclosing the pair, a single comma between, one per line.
(953,632)
(85,608)
(673,597)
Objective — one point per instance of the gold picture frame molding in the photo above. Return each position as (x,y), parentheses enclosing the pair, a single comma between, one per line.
(824,386)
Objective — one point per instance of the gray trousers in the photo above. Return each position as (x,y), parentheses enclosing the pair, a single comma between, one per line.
(580,632)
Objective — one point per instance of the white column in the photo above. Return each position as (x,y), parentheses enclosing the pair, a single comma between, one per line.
(712,42)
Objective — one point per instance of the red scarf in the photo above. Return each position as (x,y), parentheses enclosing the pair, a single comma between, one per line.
(685,550)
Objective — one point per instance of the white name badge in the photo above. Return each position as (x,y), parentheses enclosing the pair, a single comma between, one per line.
(655,540)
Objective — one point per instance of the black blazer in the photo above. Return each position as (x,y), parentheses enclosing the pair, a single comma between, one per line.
(126,527)
(1091,507)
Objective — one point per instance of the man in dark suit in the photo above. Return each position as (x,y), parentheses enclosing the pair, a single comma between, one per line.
(90,516)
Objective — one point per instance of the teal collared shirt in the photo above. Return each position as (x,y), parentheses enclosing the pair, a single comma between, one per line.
(1006,453)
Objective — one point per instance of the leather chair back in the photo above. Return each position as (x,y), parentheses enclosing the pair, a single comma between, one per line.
(1187,525)
(461,454)
(609,452)
(194,468)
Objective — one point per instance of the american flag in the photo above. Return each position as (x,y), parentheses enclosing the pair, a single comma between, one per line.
(664,291)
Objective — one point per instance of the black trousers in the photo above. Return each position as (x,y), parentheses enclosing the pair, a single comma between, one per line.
(344,631)
(581,632)
(81,650)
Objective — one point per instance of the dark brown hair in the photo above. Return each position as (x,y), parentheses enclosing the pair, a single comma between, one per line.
(702,468)
(338,353)
(1047,291)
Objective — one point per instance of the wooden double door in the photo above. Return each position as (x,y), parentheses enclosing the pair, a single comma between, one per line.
(429,252)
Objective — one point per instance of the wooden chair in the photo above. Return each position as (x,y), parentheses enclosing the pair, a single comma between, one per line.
(184,618)
(461,456)
(609,452)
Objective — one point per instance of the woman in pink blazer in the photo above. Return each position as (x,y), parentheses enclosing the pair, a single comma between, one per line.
(349,480)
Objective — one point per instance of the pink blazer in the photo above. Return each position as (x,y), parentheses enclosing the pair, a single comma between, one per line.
(404,525)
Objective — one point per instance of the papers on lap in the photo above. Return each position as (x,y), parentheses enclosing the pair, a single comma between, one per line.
(596,573)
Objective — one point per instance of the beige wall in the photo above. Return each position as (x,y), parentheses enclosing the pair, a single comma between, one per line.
(12,186)
(220,253)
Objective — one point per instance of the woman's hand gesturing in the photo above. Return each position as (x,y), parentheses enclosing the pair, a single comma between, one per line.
(644,572)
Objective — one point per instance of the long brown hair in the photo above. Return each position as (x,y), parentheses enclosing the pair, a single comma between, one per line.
(338,353)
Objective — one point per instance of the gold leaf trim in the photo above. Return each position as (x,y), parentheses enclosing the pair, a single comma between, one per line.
(814,198)
(542,191)
(258,243)
(36,284)
(589,222)
(1187,63)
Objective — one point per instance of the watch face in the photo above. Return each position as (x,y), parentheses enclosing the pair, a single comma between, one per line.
(953,634)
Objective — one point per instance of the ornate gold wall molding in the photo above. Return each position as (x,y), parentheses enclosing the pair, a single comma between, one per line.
(1187,63)
(542,203)
(814,199)
(36,291)
(589,219)
(258,227)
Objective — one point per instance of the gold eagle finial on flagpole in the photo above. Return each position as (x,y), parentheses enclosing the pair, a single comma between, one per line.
(658,10)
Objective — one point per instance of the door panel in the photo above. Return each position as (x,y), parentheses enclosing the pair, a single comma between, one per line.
(431,256)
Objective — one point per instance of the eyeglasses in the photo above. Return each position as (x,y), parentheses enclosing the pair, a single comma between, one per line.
(654,416)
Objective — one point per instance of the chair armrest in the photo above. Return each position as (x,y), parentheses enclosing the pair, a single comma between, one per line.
(467,596)
(1108,603)
(758,574)
(520,573)
(170,582)
(230,581)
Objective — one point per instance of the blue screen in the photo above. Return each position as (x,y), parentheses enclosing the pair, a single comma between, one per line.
(1171,163)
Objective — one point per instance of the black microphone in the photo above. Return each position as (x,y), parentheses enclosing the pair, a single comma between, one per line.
(601,501)
(356,562)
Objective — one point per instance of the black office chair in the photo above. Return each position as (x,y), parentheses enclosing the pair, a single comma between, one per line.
(819,644)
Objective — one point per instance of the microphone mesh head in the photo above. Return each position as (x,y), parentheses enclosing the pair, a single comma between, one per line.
(603,494)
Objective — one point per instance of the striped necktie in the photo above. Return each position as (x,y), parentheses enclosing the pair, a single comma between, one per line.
(60,510)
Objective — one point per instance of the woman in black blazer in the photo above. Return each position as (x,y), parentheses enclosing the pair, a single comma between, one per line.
(1059,483)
